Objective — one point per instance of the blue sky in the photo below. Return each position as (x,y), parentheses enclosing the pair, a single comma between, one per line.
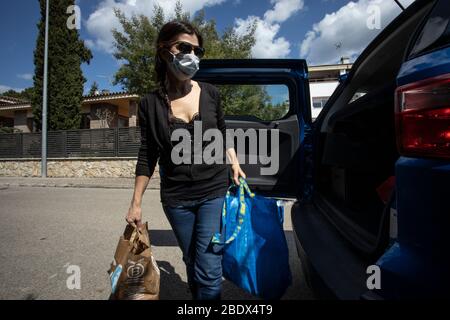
(309,29)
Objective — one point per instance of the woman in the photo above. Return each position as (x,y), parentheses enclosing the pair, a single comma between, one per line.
(192,193)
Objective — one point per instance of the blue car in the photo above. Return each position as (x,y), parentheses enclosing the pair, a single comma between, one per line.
(371,175)
(381,177)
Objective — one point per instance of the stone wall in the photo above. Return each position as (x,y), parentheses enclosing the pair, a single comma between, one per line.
(70,168)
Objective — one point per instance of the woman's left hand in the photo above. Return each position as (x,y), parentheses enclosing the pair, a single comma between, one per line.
(237,172)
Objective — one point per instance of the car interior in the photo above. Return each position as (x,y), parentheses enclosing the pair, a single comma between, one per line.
(356,150)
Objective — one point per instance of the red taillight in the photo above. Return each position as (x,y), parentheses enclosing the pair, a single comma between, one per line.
(423,118)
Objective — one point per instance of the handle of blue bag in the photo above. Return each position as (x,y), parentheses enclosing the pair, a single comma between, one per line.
(243,188)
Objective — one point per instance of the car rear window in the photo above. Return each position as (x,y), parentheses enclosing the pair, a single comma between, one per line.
(435,32)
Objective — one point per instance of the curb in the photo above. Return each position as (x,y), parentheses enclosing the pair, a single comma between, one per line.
(154,185)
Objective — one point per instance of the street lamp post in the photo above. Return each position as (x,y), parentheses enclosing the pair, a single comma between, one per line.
(44,103)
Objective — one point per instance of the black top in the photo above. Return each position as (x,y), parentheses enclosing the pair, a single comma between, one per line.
(180,183)
(176,193)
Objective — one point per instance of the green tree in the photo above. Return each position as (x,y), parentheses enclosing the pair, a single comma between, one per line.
(4,129)
(251,100)
(135,46)
(94,89)
(25,94)
(66,53)
(274,111)
(243,99)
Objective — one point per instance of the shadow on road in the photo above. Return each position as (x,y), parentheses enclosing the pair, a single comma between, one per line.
(172,286)
(162,238)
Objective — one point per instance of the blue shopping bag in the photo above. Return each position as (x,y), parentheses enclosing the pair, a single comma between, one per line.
(255,251)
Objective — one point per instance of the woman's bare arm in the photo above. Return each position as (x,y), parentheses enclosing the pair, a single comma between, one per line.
(134,215)
(140,185)
(235,166)
(146,161)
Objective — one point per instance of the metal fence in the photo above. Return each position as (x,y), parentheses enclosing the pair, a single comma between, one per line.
(114,142)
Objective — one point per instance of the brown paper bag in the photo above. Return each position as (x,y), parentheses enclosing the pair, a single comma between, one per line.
(134,273)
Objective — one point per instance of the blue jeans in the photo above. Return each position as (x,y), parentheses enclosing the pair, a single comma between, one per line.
(194,226)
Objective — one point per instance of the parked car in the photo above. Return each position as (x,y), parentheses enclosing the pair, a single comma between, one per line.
(371,174)
(398,130)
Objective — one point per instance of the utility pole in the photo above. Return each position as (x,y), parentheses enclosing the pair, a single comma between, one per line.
(44,103)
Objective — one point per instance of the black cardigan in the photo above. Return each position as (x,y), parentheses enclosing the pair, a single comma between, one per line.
(155,136)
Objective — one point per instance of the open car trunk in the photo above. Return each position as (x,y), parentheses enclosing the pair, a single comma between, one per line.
(355,144)
(358,156)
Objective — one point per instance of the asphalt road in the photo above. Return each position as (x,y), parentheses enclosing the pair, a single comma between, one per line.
(44,231)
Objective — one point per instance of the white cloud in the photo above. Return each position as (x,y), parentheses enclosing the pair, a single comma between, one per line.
(100,23)
(267,44)
(345,32)
(25,76)
(89,43)
(4,88)
(282,10)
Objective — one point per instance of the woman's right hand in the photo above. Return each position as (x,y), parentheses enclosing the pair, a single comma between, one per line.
(134,216)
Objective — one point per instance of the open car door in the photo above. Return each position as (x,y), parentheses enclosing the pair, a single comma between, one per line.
(269,100)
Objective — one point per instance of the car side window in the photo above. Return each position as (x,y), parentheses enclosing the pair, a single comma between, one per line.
(436,31)
(265,102)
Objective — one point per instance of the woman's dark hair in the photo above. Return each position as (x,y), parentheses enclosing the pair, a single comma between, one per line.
(167,33)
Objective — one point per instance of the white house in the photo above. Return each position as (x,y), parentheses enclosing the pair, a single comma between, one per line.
(323,80)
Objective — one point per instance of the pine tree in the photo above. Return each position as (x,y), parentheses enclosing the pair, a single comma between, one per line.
(66,53)
(94,89)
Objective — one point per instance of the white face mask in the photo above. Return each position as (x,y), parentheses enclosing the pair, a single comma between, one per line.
(184,67)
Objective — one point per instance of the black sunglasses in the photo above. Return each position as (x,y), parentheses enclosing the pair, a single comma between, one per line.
(186,48)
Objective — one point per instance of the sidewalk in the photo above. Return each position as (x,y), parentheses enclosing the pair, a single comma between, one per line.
(113,183)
